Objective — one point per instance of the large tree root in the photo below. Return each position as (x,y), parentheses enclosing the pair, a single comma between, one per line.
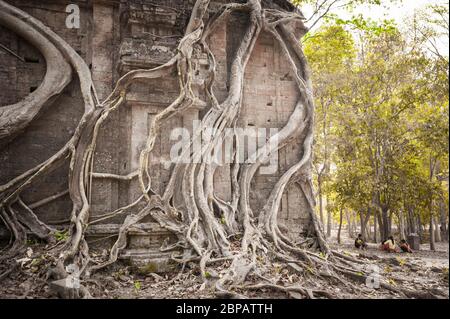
(242,246)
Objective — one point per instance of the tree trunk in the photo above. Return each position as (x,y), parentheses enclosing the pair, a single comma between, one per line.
(340,226)
(432,239)
(411,221)
(329,223)
(420,227)
(408,223)
(437,230)
(329,219)
(349,224)
(390,218)
(15,118)
(368,234)
(447,233)
(362,227)
(364,219)
(320,201)
(375,230)
(401,225)
(384,226)
(432,233)
(443,229)
(380,226)
(353,221)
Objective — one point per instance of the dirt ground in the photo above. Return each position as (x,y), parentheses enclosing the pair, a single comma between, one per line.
(427,269)
(428,258)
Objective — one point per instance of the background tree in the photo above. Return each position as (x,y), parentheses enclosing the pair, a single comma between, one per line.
(382,121)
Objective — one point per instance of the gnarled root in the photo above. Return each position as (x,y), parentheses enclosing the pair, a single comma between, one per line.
(248,247)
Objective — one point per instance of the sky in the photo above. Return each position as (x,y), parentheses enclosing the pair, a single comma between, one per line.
(399,12)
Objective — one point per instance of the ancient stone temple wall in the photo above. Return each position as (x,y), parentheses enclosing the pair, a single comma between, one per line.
(115,37)
(21,72)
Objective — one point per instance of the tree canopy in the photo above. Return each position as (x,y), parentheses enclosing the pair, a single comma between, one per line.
(381,93)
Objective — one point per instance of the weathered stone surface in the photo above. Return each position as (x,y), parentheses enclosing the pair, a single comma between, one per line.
(145,262)
(65,288)
(144,245)
(115,37)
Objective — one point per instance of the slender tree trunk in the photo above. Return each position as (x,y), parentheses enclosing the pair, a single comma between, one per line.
(412,222)
(368,235)
(437,230)
(443,229)
(401,225)
(361,224)
(353,221)
(408,223)
(390,223)
(447,233)
(375,230)
(432,239)
(340,226)
(364,219)
(320,201)
(384,226)
(329,219)
(420,227)
(432,233)
(349,224)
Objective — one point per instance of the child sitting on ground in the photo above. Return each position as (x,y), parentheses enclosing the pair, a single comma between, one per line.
(404,246)
(360,243)
(389,245)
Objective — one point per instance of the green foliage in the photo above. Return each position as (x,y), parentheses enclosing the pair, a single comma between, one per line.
(382,115)
(137,285)
(330,50)
(358,22)
(148,268)
(207,275)
(324,10)
(61,235)
(32,242)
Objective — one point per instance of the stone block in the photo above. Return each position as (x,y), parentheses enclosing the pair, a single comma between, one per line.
(120,36)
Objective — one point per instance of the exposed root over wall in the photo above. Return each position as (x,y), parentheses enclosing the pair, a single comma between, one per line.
(210,231)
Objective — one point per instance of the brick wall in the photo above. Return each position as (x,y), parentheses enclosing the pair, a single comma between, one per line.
(57,123)
(114,38)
